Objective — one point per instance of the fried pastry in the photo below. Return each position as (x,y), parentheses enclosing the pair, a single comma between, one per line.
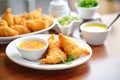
(71,47)
(3,23)
(24,15)
(8,17)
(48,19)
(21,29)
(55,54)
(35,14)
(36,24)
(7,31)
(18,20)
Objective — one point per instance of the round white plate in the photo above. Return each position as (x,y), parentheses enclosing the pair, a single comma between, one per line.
(5,40)
(14,55)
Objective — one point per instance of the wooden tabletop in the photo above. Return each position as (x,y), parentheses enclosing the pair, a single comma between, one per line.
(103,65)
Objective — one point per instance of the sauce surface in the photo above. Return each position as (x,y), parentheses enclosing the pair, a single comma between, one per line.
(66,20)
(95,27)
(32,44)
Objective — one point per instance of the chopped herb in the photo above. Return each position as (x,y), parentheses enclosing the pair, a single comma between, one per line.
(66,20)
(70,59)
(87,3)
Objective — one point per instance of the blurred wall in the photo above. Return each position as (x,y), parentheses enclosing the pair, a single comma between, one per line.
(109,6)
(106,6)
(3,6)
(44,4)
(20,6)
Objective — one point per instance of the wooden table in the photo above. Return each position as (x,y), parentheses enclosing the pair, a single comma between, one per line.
(103,65)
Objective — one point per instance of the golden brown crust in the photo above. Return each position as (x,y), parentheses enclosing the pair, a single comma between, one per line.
(21,29)
(3,23)
(26,22)
(7,31)
(54,52)
(71,47)
(8,17)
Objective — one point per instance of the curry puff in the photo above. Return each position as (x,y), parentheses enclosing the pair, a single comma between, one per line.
(7,31)
(55,54)
(36,24)
(8,17)
(3,23)
(35,14)
(70,46)
(39,24)
(19,20)
(12,25)
(21,29)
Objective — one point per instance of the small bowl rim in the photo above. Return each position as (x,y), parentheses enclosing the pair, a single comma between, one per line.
(21,39)
(87,8)
(68,24)
(82,25)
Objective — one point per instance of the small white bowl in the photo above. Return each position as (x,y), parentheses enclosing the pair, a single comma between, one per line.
(94,36)
(68,29)
(86,13)
(31,54)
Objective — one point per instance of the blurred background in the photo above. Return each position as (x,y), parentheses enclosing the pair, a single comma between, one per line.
(20,6)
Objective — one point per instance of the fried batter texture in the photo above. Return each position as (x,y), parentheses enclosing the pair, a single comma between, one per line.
(3,23)
(21,29)
(55,54)
(8,17)
(24,23)
(35,14)
(71,47)
(7,31)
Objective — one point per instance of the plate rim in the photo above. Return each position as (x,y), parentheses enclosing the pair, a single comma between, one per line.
(39,67)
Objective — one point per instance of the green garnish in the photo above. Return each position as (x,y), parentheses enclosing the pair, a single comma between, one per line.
(87,3)
(66,20)
(70,59)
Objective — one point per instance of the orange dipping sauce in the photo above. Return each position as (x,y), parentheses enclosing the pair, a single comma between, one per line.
(32,44)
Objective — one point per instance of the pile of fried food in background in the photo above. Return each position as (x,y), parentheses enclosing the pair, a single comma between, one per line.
(25,23)
(61,48)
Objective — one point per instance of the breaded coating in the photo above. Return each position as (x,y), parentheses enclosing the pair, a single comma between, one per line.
(18,20)
(7,31)
(25,22)
(55,54)
(3,23)
(36,24)
(21,29)
(8,17)
(71,47)
(48,19)
(24,15)
(35,14)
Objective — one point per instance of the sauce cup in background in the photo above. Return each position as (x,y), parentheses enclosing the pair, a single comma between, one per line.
(86,13)
(67,24)
(94,33)
(29,52)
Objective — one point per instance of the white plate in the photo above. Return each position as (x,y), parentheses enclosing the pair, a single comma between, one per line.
(5,40)
(14,55)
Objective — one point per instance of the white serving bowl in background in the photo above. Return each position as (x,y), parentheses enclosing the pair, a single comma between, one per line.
(31,54)
(94,37)
(67,29)
(86,13)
